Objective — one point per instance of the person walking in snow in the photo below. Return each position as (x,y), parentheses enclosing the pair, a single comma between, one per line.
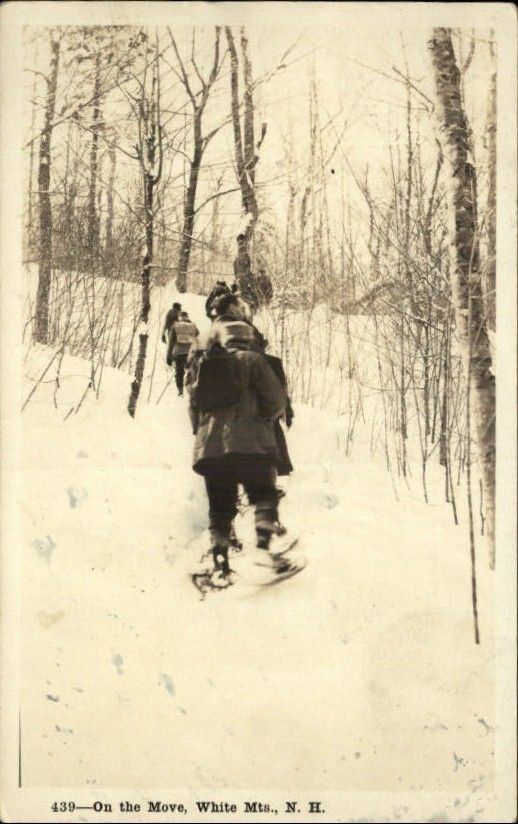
(263,288)
(182,336)
(236,330)
(221,288)
(171,317)
(235,399)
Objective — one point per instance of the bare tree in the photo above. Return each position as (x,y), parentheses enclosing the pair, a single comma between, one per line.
(198,102)
(246,159)
(92,232)
(490,264)
(150,156)
(30,233)
(109,201)
(465,258)
(41,326)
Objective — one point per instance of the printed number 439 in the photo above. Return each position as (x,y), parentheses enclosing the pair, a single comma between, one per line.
(63,807)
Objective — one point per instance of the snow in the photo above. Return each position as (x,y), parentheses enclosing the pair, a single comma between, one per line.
(360,673)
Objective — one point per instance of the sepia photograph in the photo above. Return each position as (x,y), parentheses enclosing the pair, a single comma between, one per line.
(258,419)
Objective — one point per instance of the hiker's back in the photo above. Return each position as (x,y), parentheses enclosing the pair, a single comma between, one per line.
(229,333)
(240,420)
(217,380)
(185,333)
(223,381)
(185,330)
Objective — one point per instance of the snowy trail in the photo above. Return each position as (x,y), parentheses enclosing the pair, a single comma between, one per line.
(345,676)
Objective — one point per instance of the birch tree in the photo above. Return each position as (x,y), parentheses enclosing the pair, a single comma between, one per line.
(150,156)
(465,259)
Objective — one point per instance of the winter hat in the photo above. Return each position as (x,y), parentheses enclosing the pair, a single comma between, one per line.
(222,303)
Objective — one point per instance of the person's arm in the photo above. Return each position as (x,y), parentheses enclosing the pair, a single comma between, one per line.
(278,368)
(172,341)
(191,367)
(166,326)
(271,393)
(208,303)
(290,414)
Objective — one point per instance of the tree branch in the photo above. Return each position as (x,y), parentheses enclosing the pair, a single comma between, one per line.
(184,78)
(214,196)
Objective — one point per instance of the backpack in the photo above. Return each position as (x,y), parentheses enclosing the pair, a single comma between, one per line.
(185,331)
(233,333)
(215,381)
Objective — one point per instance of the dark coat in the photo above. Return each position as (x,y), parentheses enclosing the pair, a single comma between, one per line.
(282,456)
(247,427)
(218,290)
(171,317)
(284,464)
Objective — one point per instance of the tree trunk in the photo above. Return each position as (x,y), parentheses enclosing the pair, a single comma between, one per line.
(71,233)
(41,326)
(145,304)
(465,260)
(245,164)
(248,114)
(189,204)
(66,211)
(198,102)
(30,228)
(92,220)
(490,267)
(150,156)
(109,203)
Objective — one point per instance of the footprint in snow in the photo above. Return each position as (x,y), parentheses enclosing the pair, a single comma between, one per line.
(45,547)
(170,556)
(166,680)
(330,501)
(76,496)
(118,661)
(47,619)
(66,730)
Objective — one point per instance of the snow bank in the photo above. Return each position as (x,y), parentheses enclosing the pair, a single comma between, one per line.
(360,673)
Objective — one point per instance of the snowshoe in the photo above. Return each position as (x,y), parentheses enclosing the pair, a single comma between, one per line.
(211,580)
(284,570)
(281,543)
(213,571)
(220,557)
(235,543)
(266,566)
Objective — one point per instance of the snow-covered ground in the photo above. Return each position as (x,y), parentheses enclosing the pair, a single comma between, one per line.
(358,674)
